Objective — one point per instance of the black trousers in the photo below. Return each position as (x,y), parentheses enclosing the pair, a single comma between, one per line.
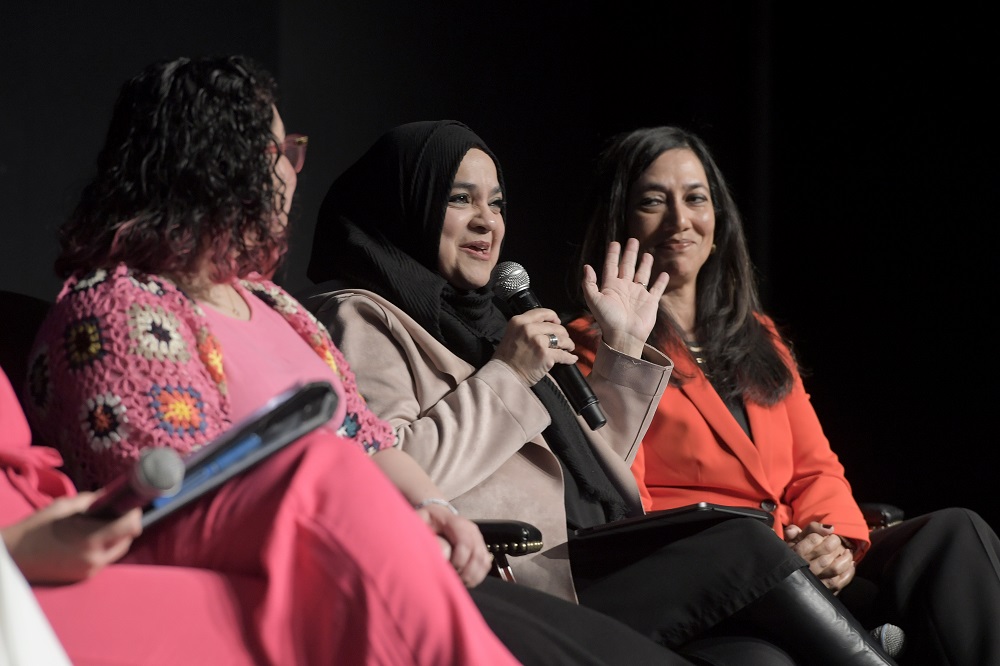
(937,576)
(676,584)
(540,628)
(544,630)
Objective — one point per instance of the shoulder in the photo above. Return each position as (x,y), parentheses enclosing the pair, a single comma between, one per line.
(116,304)
(282,302)
(103,288)
(347,308)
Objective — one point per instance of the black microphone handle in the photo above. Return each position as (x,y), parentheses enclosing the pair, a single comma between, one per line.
(570,379)
(579,394)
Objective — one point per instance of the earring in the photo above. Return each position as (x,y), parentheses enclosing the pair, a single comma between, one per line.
(712,251)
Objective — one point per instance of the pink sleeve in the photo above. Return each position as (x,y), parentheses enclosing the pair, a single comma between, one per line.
(29,476)
(361,422)
(120,364)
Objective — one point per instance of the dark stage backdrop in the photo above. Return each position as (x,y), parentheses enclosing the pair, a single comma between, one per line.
(856,141)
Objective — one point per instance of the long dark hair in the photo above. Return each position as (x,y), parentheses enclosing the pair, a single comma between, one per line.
(741,351)
(185,168)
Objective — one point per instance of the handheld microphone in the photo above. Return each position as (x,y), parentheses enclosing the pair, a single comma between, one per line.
(512,286)
(890,638)
(158,472)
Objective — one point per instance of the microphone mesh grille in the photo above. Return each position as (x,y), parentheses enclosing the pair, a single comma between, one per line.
(891,638)
(162,469)
(511,278)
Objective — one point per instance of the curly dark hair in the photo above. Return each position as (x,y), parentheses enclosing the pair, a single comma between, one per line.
(185,169)
(744,360)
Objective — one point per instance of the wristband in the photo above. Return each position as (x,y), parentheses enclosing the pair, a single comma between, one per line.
(436,500)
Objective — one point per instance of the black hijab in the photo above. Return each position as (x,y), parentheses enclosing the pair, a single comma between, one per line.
(379,228)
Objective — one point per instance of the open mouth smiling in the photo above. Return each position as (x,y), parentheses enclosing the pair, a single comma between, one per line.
(479,249)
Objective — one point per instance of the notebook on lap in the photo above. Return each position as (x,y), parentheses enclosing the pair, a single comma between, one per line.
(285,418)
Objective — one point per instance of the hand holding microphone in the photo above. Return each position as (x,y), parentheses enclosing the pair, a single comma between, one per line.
(157,472)
(512,285)
(62,543)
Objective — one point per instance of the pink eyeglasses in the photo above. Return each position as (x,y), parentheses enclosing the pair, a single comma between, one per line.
(294,148)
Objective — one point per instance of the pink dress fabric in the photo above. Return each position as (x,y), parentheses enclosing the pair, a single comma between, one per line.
(253,378)
(119,616)
(126,360)
(312,557)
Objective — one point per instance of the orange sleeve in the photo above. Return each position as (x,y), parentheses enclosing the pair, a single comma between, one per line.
(586,335)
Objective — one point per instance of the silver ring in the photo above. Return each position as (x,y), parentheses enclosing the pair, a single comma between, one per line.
(645,285)
(553,341)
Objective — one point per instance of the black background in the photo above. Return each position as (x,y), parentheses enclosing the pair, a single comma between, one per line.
(859,142)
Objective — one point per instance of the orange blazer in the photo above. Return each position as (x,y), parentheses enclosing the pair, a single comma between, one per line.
(695,451)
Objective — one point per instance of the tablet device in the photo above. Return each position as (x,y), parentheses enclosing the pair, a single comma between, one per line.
(599,551)
(285,418)
(702,512)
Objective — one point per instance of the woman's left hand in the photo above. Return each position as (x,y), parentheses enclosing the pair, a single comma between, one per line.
(828,557)
(626,303)
(463,543)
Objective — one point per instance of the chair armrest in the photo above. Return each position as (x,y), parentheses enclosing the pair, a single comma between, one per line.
(879,515)
(508,537)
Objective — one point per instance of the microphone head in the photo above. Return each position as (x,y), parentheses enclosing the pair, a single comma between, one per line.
(160,471)
(511,278)
(890,637)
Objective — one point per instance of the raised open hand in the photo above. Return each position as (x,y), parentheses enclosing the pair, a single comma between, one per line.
(626,303)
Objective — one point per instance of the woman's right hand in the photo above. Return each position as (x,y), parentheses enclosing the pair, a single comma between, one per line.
(526,345)
(461,543)
(57,544)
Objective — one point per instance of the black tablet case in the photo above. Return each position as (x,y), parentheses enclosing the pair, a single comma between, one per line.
(286,417)
(603,549)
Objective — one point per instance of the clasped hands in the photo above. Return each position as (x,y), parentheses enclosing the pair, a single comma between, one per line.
(828,557)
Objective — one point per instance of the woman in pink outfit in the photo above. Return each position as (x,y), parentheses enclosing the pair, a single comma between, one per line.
(277,571)
(165,334)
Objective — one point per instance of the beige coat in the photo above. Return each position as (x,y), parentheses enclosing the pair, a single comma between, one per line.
(478,433)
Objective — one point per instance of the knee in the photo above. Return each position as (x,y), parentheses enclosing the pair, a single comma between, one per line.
(957,525)
(957,518)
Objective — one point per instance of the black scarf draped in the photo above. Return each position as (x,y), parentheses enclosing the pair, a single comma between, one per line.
(379,229)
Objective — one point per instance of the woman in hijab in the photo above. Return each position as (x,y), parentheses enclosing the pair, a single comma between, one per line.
(411,233)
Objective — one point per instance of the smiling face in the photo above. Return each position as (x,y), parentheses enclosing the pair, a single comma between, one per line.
(670,212)
(473,223)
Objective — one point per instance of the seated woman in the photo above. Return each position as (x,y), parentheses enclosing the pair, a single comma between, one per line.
(414,229)
(736,426)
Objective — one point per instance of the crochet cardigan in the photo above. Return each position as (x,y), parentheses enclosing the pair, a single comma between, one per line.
(126,360)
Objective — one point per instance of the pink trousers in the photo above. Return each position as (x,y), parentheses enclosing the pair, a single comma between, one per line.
(313,557)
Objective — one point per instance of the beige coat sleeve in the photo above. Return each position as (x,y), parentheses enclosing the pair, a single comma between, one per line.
(462,425)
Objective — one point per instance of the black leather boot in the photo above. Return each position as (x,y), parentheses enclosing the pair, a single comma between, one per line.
(801,616)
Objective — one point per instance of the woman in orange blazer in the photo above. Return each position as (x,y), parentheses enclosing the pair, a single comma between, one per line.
(735,425)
